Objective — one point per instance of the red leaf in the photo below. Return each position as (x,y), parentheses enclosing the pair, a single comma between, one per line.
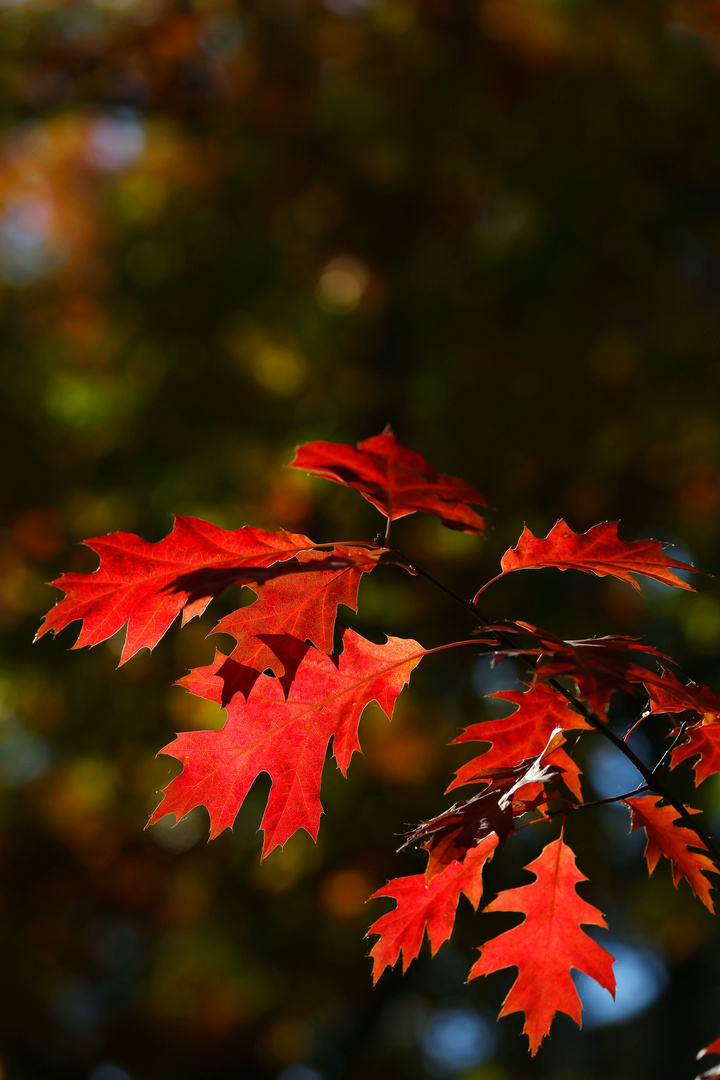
(597,551)
(547,944)
(422,905)
(540,710)
(666,837)
(285,737)
(599,666)
(147,585)
(668,695)
(395,479)
(702,741)
(303,605)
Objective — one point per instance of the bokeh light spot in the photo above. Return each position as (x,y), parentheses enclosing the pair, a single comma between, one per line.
(342,283)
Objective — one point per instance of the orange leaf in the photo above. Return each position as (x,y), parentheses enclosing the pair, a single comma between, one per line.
(702,740)
(422,905)
(547,944)
(598,551)
(666,837)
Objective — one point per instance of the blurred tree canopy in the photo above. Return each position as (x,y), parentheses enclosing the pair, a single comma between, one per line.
(229,227)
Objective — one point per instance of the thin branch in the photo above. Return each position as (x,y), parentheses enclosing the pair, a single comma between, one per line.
(592,718)
(676,742)
(599,802)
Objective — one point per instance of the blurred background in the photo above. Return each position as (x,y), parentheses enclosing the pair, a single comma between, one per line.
(227,228)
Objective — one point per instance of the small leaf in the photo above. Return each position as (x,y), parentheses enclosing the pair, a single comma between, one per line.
(395,479)
(422,904)
(598,551)
(666,836)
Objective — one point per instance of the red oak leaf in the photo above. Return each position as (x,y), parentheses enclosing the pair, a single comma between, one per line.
(147,585)
(285,737)
(540,710)
(702,740)
(668,695)
(599,666)
(303,605)
(395,479)
(422,904)
(547,944)
(598,551)
(665,836)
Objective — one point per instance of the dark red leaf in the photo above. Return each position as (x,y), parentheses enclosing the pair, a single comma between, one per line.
(395,479)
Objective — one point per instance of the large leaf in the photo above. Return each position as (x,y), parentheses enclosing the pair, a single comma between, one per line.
(284,736)
(147,585)
(547,944)
(395,479)
(598,551)
(427,905)
(666,837)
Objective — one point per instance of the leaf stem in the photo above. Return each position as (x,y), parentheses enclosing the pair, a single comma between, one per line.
(648,774)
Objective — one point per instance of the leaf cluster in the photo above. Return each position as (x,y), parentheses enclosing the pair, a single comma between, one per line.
(289,693)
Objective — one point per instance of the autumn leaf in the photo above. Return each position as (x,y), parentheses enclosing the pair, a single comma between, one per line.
(668,695)
(547,944)
(540,710)
(598,551)
(599,666)
(702,740)
(147,585)
(425,905)
(395,479)
(284,736)
(303,605)
(666,836)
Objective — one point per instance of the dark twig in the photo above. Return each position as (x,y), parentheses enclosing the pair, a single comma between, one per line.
(676,742)
(598,802)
